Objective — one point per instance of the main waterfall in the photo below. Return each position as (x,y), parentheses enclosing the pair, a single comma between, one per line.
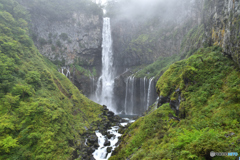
(105,84)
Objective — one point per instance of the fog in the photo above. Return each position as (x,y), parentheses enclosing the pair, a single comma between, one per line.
(170,10)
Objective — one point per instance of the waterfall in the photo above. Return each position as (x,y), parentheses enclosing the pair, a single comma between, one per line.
(230,5)
(104,91)
(129,96)
(139,94)
(126,96)
(132,95)
(68,71)
(149,91)
(92,82)
(144,91)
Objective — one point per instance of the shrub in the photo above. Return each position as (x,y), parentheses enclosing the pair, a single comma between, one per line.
(53,48)
(58,43)
(42,41)
(63,36)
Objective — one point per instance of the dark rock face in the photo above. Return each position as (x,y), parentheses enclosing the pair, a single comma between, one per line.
(83,43)
(73,40)
(107,143)
(92,139)
(109,136)
(221,27)
(109,149)
(162,100)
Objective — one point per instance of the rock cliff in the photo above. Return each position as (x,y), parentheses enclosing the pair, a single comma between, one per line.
(70,35)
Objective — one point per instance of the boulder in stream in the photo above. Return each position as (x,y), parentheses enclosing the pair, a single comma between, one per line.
(109,149)
(107,143)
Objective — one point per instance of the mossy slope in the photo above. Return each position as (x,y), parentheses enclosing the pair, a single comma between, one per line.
(42,114)
(209,113)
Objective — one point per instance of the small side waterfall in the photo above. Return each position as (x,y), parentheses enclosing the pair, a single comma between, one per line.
(105,84)
(144,90)
(139,94)
(126,97)
(149,92)
(230,5)
(132,95)
(92,82)
(129,96)
(67,71)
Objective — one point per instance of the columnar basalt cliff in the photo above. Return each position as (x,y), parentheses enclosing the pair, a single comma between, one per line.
(77,39)
(69,38)
(222,25)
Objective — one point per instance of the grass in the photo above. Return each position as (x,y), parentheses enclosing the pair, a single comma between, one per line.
(209,112)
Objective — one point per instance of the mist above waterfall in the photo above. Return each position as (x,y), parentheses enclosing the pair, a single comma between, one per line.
(164,10)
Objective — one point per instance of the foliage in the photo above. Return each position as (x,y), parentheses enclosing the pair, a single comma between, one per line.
(209,112)
(42,114)
(42,41)
(58,43)
(85,72)
(63,36)
(157,68)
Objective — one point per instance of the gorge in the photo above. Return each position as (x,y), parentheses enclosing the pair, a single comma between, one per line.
(143,79)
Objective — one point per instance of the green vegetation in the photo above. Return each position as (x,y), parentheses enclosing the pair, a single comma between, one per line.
(63,36)
(58,43)
(85,72)
(193,40)
(42,114)
(209,112)
(157,68)
(42,41)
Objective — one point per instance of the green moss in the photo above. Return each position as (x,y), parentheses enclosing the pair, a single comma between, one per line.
(209,109)
(157,68)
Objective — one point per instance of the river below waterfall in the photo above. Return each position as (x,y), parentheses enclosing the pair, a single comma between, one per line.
(108,144)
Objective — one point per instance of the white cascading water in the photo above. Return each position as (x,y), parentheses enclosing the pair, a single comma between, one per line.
(68,72)
(126,96)
(149,91)
(105,84)
(144,90)
(129,95)
(101,152)
(132,95)
(230,5)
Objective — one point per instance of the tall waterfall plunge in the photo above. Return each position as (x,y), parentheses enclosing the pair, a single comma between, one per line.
(105,84)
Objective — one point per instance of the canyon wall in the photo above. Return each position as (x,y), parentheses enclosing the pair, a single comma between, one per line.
(70,35)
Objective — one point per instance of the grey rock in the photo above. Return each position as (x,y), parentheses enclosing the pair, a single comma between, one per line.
(107,143)
(109,149)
